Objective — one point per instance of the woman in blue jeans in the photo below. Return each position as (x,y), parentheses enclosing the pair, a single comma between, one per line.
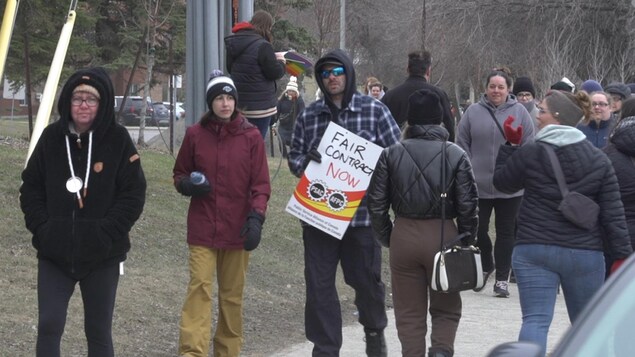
(550,250)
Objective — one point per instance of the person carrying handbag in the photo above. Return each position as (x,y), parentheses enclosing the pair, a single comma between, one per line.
(407,180)
(552,249)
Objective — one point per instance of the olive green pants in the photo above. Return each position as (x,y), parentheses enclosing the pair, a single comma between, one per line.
(230,267)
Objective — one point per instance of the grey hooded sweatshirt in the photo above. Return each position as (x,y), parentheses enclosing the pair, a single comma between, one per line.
(480,137)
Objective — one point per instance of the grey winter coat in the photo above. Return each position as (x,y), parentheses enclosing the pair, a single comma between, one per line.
(480,137)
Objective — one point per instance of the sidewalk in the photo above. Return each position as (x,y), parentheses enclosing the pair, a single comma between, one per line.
(486,322)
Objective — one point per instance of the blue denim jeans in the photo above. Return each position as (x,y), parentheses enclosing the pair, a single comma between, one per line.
(539,269)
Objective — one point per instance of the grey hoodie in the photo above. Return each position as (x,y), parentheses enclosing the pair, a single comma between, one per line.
(480,137)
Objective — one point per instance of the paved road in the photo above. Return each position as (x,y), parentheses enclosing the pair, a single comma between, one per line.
(487,321)
(148,132)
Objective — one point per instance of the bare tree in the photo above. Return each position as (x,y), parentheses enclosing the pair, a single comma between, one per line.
(543,39)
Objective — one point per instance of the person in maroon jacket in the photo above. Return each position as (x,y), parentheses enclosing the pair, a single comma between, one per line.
(224,219)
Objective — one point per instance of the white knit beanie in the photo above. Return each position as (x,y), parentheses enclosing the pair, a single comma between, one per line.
(293,85)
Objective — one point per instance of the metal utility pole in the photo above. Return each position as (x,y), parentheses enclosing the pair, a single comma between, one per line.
(343,24)
(208,22)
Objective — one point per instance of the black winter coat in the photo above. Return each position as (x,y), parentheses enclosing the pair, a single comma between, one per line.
(254,69)
(396,100)
(621,151)
(80,239)
(408,179)
(588,171)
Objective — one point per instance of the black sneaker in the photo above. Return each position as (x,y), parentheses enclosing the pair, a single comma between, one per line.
(375,343)
(500,289)
(486,276)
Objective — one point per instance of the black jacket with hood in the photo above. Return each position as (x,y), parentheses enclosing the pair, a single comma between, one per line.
(95,235)
(396,100)
(253,67)
(408,179)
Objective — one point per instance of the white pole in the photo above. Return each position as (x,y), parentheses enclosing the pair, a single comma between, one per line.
(8,21)
(52,81)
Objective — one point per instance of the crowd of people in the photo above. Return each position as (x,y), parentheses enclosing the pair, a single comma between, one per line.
(498,162)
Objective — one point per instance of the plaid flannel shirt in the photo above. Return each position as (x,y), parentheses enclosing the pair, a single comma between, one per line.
(364,116)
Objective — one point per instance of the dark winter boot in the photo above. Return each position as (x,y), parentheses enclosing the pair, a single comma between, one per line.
(375,343)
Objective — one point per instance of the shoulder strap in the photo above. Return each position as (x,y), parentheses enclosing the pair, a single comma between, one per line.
(495,120)
(444,189)
(557,169)
(444,193)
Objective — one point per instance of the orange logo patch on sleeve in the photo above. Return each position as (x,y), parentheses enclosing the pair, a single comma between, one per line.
(134,158)
(98,167)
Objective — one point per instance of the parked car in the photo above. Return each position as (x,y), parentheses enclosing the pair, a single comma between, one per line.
(160,115)
(179,112)
(131,113)
(605,327)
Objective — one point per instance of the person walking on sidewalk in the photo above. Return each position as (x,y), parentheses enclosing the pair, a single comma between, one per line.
(224,220)
(407,180)
(550,250)
(82,191)
(357,251)
(480,134)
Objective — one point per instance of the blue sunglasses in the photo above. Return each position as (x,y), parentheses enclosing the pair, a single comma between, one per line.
(337,71)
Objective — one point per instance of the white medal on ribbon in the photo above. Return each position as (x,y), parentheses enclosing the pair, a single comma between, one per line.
(74,184)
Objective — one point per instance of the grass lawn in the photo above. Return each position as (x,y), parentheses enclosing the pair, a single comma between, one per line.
(152,290)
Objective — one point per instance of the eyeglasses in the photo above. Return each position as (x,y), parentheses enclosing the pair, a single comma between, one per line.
(600,104)
(337,71)
(91,102)
(524,95)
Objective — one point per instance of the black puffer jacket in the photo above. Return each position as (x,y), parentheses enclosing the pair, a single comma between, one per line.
(408,178)
(621,151)
(587,170)
(254,69)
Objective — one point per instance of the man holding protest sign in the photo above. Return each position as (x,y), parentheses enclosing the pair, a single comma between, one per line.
(357,250)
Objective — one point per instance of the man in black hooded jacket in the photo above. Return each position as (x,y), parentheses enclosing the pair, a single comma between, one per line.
(83,189)
(396,99)
(358,252)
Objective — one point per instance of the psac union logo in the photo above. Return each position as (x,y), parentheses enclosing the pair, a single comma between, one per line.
(335,200)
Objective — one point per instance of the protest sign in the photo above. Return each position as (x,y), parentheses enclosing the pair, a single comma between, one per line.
(330,192)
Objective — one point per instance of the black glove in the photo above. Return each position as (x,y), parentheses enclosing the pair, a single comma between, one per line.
(187,188)
(252,230)
(314,155)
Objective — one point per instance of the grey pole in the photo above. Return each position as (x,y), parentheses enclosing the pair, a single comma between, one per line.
(208,22)
(343,24)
